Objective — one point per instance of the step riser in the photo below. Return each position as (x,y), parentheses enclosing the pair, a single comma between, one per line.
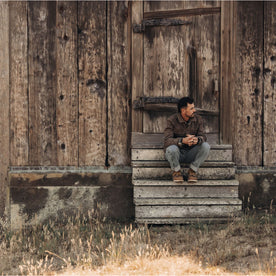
(158,154)
(166,173)
(185,192)
(185,211)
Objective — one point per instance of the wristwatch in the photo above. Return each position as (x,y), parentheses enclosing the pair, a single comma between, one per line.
(179,143)
(199,140)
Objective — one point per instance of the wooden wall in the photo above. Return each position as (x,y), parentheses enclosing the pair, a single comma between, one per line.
(66,77)
(4,101)
(254,70)
(70,83)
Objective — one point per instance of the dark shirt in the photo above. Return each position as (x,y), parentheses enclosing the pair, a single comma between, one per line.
(178,128)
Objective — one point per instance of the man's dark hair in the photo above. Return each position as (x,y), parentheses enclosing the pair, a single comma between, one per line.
(183,102)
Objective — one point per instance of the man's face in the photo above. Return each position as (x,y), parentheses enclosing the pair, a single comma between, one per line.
(189,111)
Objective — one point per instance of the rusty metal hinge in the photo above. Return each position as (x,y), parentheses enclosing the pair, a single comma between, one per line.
(139,28)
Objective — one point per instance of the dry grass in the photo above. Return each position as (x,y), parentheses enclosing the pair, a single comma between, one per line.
(93,245)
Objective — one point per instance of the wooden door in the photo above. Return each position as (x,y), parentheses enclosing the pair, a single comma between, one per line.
(176,53)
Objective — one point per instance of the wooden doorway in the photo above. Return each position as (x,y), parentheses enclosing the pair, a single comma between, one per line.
(175,53)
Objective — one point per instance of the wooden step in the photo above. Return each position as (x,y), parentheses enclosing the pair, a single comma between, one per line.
(217,153)
(186,201)
(207,173)
(201,189)
(193,211)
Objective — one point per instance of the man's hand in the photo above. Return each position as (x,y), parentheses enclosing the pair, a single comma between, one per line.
(190,140)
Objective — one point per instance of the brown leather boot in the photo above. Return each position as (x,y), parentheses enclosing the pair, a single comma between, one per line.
(192,176)
(177,177)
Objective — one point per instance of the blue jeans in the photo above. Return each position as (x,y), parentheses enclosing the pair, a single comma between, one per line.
(194,156)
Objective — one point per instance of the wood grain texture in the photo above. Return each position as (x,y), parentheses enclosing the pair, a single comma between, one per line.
(119,90)
(185,191)
(137,67)
(185,211)
(67,84)
(42,83)
(92,83)
(19,140)
(4,102)
(269,154)
(158,154)
(226,104)
(248,87)
(182,61)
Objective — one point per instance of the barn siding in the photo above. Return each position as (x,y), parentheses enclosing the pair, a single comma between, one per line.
(67,84)
(119,89)
(248,89)
(63,96)
(19,140)
(270,84)
(4,101)
(70,76)
(42,83)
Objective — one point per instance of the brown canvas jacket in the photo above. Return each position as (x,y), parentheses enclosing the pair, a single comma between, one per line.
(178,128)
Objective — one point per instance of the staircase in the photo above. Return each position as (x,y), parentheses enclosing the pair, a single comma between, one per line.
(158,200)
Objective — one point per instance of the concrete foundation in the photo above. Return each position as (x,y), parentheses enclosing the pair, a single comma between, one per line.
(257,187)
(38,195)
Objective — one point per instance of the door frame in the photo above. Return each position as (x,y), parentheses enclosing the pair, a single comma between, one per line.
(227,18)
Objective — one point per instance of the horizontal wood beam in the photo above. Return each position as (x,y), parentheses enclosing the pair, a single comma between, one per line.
(186,12)
(163,104)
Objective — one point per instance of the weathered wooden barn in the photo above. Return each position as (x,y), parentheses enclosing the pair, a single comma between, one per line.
(82,82)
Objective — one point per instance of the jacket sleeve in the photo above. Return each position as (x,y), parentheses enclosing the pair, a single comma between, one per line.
(200,131)
(169,138)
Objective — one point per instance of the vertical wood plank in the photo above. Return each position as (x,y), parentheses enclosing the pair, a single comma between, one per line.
(92,83)
(207,45)
(4,101)
(137,65)
(42,83)
(225,75)
(18,84)
(269,84)
(248,84)
(119,94)
(67,84)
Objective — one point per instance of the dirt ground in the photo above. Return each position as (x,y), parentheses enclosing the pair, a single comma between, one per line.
(243,245)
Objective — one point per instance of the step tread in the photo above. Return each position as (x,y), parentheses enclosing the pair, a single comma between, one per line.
(158,154)
(178,211)
(204,173)
(150,182)
(165,163)
(187,201)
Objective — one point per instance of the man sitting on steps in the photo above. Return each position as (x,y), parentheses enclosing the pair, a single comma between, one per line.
(185,140)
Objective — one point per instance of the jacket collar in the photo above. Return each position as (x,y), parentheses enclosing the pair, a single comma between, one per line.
(181,120)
